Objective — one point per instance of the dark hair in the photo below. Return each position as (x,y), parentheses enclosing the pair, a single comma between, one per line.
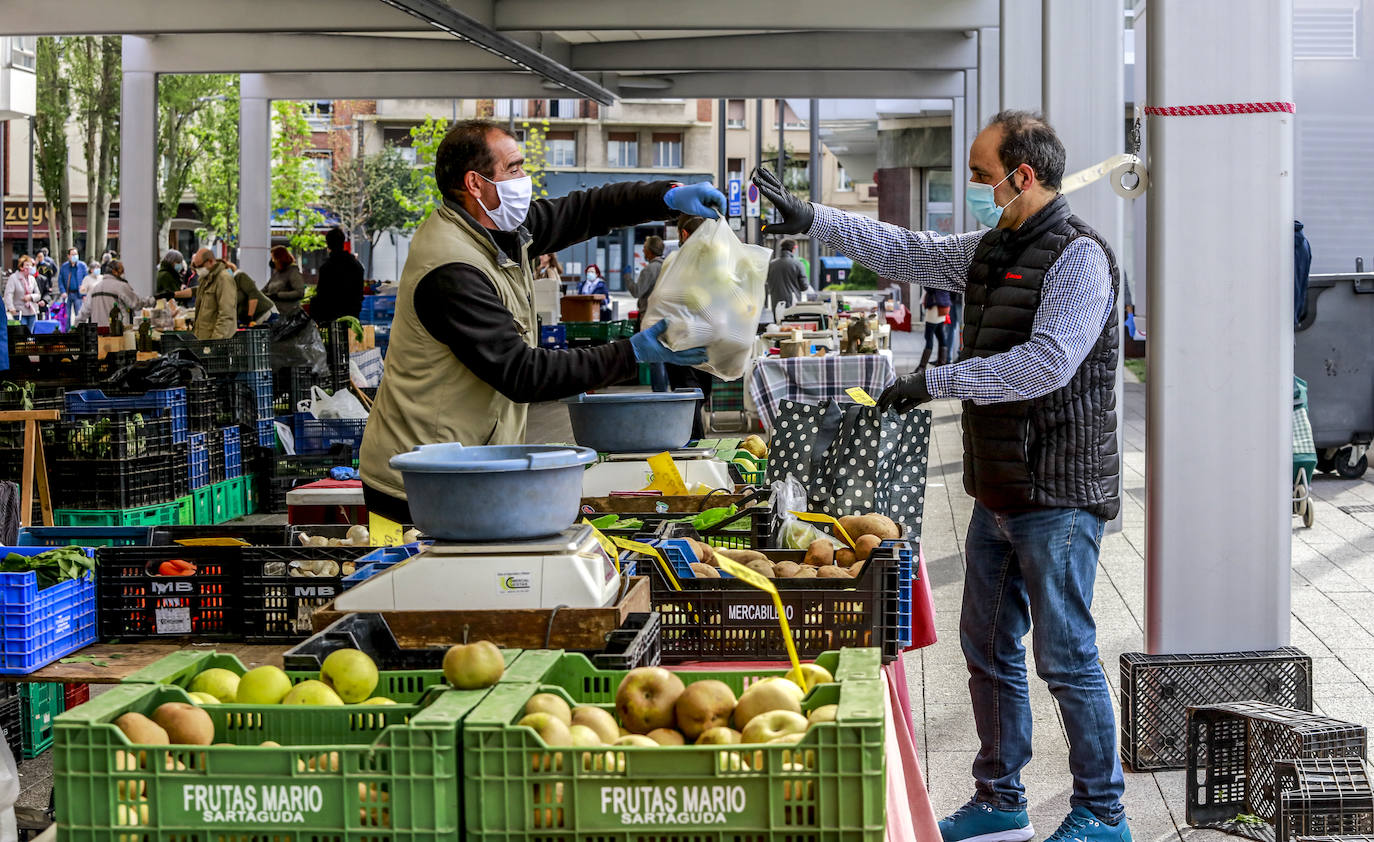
(789,245)
(653,244)
(114,267)
(465,147)
(334,238)
(1028,139)
(689,223)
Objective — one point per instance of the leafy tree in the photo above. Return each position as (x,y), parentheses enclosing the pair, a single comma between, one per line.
(187,105)
(214,175)
(93,65)
(54,108)
(296,186)
(537,156)
(364,195)
(423,194)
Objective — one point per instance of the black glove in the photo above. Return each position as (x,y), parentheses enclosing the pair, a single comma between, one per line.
(906,394)
(796,214)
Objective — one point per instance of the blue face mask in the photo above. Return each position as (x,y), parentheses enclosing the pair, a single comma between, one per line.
(982,203)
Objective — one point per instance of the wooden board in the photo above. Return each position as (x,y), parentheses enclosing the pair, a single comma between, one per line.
(573,628)
(135,656)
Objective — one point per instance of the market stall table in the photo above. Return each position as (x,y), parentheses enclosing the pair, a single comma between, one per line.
(124,659)
(815,380)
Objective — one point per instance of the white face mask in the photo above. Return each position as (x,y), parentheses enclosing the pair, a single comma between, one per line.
(71,258)
(202,271)
(514,195)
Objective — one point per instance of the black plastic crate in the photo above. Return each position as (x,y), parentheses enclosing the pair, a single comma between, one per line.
(245,399)
(247,350)
(1323,797)
(214,445)
(115,483)
(181,470)
(12,724)
(287,472)
(292,386)
(138,603)
(278,595)
(751,528)
(201,402)
(126,434)
(728,620)
(261,534)
(335,337)
(1232,749)
(1157,690)
(638,643)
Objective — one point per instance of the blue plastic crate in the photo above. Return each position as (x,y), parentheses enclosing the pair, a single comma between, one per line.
(680,555)
(250,396)
(906,572)
(233,453)
(85,536)
(376,561)
(39,626)
(198,459)
(382,338)
(377,309)
(96,402)
(315,436)
(553,336)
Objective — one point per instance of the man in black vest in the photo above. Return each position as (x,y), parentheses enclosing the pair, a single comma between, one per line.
(1036,375)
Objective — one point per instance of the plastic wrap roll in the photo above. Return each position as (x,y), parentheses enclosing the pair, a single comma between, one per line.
(1118,168)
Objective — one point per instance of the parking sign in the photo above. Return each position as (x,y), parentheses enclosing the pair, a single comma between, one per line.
(733,197)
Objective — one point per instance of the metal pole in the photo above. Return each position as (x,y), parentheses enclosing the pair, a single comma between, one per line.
(52,247)
(724,163)
(758,162)
(779,108)
(814,124)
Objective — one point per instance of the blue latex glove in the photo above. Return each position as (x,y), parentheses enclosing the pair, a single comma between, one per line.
(701,199)
(342,473)
(649,348)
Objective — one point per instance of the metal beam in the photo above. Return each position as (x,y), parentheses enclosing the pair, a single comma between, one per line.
(102,17)
(443,17)
(820,84)
(397,85)
(288,53)
(884,50)
(755,14)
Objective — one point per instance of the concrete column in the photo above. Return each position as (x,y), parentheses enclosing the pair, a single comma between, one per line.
(989,74)
(138,171)
(813,125)
(255,184)
(1020,59)
(1219,425)
(958,160)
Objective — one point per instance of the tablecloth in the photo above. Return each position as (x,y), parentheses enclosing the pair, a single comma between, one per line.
(815,380)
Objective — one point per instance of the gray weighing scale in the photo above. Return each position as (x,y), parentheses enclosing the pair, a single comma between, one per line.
(569,569)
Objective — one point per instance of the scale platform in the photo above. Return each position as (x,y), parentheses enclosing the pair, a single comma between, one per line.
(569,569)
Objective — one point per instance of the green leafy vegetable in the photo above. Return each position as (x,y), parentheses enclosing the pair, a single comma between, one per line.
(51,567)
(630,523)
(605,521)
(711,517)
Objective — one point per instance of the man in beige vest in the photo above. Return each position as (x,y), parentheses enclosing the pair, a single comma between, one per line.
(217,297)
(463,360)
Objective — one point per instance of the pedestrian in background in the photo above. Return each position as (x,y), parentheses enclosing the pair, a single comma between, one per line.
(47,273)
(549,268)
(217,297)
(171,278)
(935,313)
(594,284)
(254,307)
(69,278)
(642,287)
(286,287)
(109,292)
(786,278)
(339,291)
(22,295)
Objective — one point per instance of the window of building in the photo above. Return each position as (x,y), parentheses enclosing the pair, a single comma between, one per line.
(790,118)
(24,51)
(842,182)
(1326,32)
(565,108)
(401,139)
(622,149)
(512,108)
(734,114)
(734,169)
(319,114)
(939,187)
(324,164)
(560,149)
(667,150)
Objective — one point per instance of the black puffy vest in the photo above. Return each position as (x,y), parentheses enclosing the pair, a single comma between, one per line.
(1055,451)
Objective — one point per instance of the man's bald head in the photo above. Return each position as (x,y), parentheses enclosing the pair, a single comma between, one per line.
(203,257)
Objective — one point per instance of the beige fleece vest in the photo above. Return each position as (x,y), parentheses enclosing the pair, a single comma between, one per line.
(427,396)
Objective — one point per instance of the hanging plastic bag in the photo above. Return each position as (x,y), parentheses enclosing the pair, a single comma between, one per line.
(296,342)
(324,406)
(711,293)
(793,534)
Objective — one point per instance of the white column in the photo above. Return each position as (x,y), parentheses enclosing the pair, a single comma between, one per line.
(958,159)
(989,74)
(138,248)
(1220,246)
(1020,61)
(255,179)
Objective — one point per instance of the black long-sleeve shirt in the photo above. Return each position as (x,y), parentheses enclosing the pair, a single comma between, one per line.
(460,307)
(339,291)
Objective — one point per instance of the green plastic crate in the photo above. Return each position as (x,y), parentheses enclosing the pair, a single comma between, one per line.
(219,496)
(40,702)
(757,475)
(401,686)
(163,514)
(203,503)
(828,788)
(601,331)
(186,510)
(389,773)
(250,493)
(234,498)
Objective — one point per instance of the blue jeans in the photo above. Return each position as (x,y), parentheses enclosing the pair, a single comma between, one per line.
(27,321)
(1037,566)
(956,312)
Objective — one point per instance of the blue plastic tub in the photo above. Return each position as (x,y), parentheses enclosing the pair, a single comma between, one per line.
(38,627)
(634,421)
(493,493)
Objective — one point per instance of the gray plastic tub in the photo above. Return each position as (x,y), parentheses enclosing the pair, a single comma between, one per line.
(633,421)
(493,493)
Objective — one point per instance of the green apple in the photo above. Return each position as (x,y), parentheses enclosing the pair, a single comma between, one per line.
(474,666)
(220,683)
(767,727)
(203,699)
(350,673)
(379,700)
(263,686)
(312,693)
(549,728)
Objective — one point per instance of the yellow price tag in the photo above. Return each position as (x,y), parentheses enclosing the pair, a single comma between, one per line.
(212,542)
(828,520)
(860,396)
(666,476)
(749,577)
(605,545)
(645,549)
(384,531)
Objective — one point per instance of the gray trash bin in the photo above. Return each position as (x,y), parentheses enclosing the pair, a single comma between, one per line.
(1334,353)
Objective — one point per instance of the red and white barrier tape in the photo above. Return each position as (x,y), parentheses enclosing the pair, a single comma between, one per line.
(1222,109)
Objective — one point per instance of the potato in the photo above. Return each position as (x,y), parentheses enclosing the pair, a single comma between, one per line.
(857,526)
(821,552)
(743,556)
(705,553)
(856,568)
(764,568)
(845,557)
(805,572)
(864,547)
(786,569)
(704,571)
(832,572)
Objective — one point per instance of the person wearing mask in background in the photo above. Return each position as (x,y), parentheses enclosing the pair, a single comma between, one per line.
(22,294)
(286,287)
(47,273)
(641,288)
(935,312)
(1037,377)
(594,284)
(217,297)
(786,279)
(171,278)
(93,273)
(464,357)
(339,291)
(69,278)
(549,268)
(107,293)
(254,308)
